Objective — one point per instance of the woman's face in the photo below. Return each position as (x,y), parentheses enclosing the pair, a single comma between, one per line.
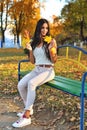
(44,29)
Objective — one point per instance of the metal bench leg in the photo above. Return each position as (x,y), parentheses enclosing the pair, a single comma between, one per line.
(82,102)
(82,113)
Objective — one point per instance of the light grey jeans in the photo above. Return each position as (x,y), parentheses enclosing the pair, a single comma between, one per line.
(27,85)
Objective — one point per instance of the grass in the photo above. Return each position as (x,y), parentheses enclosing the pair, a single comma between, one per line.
(9,68)
(54,100)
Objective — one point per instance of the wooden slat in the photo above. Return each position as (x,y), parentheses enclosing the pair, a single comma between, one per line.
(70,86)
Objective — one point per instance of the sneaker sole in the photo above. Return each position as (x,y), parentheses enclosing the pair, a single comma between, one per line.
(15,126)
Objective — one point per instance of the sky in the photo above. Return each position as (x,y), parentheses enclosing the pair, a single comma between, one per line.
(51,7)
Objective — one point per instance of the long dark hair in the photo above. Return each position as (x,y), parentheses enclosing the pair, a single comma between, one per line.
(37,39)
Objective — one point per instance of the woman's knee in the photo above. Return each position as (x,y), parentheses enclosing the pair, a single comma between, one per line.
(31,85)
(20,86)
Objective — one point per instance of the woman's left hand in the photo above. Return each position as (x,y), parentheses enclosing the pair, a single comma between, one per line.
(52,44)
(53,50)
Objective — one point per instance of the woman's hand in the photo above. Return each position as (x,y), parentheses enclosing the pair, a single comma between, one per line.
(53,50)
(28,46)
(26,34)
(31,56)
(52,46)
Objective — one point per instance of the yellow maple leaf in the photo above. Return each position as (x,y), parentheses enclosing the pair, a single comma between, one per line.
(48,39)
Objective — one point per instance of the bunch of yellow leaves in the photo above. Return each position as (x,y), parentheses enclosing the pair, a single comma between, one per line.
(47,39)
(25,41)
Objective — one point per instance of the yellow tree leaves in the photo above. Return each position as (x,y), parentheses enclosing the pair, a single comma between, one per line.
(56,26)
(25,13)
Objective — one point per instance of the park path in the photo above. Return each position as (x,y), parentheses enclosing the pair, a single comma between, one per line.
(9,105)
(8,109)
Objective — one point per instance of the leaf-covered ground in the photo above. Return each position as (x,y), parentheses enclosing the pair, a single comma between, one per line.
(61,109)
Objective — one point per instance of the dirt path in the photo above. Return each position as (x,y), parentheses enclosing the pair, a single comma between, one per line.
(41,120)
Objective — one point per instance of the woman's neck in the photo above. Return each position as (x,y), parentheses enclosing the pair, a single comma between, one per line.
(40,45)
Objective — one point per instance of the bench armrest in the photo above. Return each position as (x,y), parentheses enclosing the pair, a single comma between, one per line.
(19,66)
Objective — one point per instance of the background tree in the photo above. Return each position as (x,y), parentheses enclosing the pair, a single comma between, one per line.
(75,18)
(56,26)
(4,6)
(25,14)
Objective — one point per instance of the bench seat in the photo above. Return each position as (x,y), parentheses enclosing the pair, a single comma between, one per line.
(67,85)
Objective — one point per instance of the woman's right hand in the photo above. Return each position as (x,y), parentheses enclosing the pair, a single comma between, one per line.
(26,34)
(28,46)
(31,56)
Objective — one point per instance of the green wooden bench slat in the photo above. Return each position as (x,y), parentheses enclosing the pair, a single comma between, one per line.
(67,88)
(64,78)
(67,80)
(23,73)
(73,89)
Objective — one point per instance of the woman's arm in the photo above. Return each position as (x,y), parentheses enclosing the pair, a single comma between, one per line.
(28,46)
(31,56)
(53,57)
(53,50)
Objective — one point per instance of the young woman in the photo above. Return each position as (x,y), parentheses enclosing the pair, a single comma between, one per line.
(44,59)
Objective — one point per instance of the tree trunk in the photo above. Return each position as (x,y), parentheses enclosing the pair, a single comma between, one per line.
(2,39)
(18,41)
(81,29)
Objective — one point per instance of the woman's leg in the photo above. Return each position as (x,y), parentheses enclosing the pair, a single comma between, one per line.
(43,75)
(39,76)
(23,84)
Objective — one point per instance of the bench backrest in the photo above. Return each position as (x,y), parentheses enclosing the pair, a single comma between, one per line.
(78,58)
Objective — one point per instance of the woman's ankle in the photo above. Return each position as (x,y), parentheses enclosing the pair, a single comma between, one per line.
(26,114)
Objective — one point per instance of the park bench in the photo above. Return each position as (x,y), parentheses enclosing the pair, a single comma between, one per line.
(71,86)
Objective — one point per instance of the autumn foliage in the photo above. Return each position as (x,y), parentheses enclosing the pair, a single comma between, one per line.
(48,98)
